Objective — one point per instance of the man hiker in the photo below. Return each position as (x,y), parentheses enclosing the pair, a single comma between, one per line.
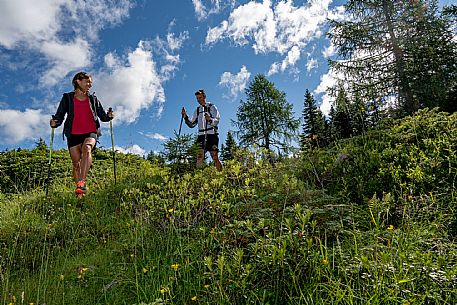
(207,117)
(81,127)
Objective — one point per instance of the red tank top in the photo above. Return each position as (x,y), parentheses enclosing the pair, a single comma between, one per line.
(83,120)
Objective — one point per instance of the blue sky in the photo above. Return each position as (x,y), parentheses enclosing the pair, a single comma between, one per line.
(147,59)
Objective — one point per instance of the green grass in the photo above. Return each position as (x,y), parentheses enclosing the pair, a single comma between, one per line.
(310,230)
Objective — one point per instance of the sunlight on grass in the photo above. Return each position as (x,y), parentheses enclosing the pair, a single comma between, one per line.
(254,233)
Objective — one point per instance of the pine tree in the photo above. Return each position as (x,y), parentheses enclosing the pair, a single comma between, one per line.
(41,145)
(228,150)
(341,116)
(359,116)
(313,129)
(181,149)
(265,118)
(155,158)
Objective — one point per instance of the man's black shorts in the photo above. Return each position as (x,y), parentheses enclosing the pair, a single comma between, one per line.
(78,139)
(212,142)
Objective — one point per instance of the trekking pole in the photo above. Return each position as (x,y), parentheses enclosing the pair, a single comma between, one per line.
(49,163)
(178,141)
(206,132)
(180,126)
(112,145)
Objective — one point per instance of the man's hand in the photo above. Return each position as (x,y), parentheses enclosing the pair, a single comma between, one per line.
(183,112)
(208,117)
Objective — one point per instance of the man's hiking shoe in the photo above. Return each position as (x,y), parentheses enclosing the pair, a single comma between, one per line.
(80,188)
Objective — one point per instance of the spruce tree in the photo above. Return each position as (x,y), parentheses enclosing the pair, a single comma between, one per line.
(181,149)
(228,150)
(341,116)
(313,129)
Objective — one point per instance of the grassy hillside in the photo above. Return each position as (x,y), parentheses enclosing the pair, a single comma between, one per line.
(370,220)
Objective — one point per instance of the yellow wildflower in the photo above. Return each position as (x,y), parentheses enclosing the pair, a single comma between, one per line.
(194,298)
(170,210)
(206,286)
(325,261)
(164,290)
(61,277)
(391,227)
(145,270)
(175,266)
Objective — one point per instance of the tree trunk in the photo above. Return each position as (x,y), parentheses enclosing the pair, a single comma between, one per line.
(403,87)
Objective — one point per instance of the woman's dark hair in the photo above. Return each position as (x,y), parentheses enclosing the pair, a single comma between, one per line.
(79,76)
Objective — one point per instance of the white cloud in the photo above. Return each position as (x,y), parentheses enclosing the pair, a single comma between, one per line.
(274,68)
(338,14)
(134,149)
(156,136)
(53,28)
(17,126)
(215,7)
(251,19)
(200,9)
(139,77)
(329,51)
(175,43)
(165,48)
(328,80)
(236,83)
(311,64)
(292,57)
(64,57)
(136,81)
(24,20)
(282,28)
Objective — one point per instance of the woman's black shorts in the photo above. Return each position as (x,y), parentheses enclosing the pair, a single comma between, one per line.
(212,142)
(78,139)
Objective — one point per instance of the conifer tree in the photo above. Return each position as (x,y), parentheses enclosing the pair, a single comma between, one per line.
(342,124)
(313,129)
(400,49)
(181,149)
(41,145)
(359,115)
(229,148)
(265,118)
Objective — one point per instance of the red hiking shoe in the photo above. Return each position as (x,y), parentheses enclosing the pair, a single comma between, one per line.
(80,188)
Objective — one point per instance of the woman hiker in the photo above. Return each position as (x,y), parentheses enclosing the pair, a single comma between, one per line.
(81,126)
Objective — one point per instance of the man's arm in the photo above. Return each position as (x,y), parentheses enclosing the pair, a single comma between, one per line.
(192,122)
(215,116)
